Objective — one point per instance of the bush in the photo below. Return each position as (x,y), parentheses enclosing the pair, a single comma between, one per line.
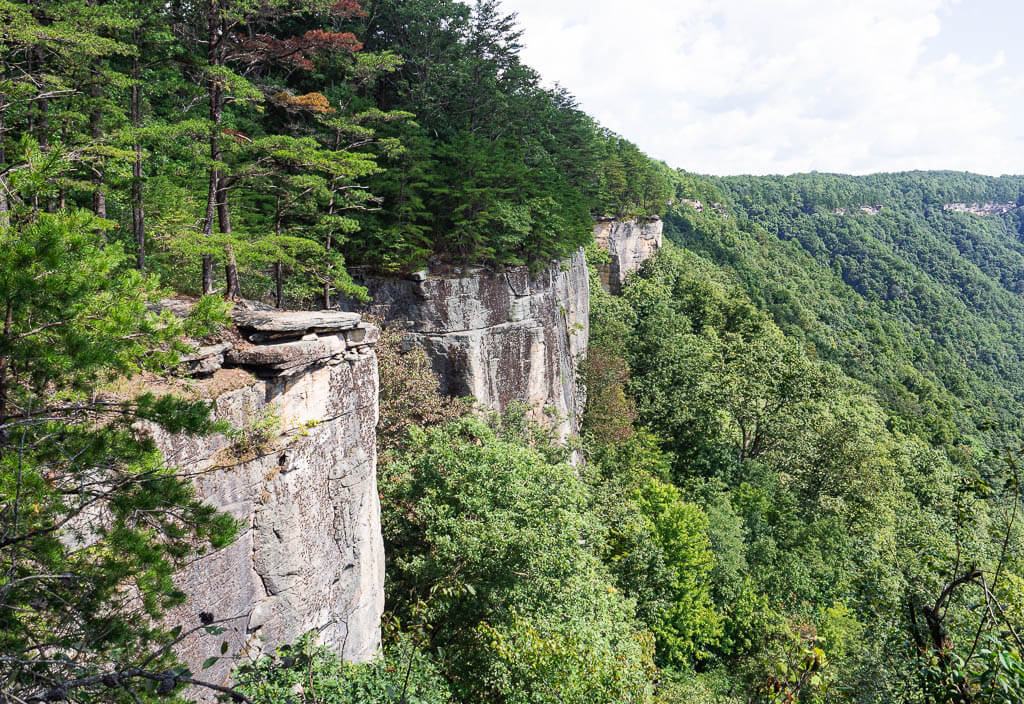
(496,547)
(306,672)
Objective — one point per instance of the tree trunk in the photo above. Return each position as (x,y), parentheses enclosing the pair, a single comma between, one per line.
(5,218)
(62,189)
(99,195)
(232,290)
(327,265)
(211,213)
(43,112)
(328,242)
(218,188)
(279,279)
(327,276)
(216,110)
(43,132)
(138,214)
(5,364)
(278,269)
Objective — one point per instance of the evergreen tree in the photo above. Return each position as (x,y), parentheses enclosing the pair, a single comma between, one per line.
(93,523)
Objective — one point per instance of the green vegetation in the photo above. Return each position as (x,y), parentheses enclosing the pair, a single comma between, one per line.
(917,302)
(304,672)
(844,387)
(282,142)
(93,523)
(803,418)
(498,545)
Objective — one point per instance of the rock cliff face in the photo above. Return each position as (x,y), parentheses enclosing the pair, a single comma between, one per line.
(630,243)
(310,555)
(989,208)
(500,337)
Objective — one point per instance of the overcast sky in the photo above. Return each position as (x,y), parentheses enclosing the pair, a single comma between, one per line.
(783,86)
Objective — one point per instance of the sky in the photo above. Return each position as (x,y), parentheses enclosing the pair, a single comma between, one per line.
(785,86)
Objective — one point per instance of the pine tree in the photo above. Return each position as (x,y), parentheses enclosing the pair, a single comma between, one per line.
(93,523)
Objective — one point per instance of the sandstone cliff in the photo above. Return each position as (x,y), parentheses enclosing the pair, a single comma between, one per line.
(500,337)
(989,208)
(630,243)
(300,475)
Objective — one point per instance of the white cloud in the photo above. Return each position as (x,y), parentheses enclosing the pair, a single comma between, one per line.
(759,86)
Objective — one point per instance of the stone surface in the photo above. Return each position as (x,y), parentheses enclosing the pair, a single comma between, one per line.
(310,553)
(272,359)
(362,335)
(297,322)
(500,337)
(205,360)
(718,209)
(989,208)
(630,243)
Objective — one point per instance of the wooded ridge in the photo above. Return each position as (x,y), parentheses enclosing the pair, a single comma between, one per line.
(800,441)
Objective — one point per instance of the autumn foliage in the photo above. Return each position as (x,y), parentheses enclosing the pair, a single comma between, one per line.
(295,52)
(309,102)
(347,8)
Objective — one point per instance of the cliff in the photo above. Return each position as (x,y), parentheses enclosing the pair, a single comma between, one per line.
(988,208)
(630,243)
(499,336)
(299,472)
(300,475)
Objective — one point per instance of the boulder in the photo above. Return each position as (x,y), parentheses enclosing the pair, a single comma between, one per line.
(205,360)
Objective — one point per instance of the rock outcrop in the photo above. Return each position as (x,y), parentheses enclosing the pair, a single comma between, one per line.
(989,208)
(300,476)
(630,243)
(718,209)
(498,336)
(860,210)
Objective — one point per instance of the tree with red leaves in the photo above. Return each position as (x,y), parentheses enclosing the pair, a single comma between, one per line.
(243,43)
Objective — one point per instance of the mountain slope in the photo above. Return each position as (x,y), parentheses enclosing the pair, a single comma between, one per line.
(916,300)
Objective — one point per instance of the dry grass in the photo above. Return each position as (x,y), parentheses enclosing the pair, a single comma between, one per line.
(219,383)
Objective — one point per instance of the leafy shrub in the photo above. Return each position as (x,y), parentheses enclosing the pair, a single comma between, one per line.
(307,673)
(496,547)
(409,392)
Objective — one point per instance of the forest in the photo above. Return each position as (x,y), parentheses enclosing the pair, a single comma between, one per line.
(802,433)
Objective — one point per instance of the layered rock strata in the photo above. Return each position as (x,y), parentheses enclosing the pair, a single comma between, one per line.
(630,243)
(498,336)
(299,473)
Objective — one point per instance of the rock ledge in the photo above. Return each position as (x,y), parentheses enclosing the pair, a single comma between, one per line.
(309,556)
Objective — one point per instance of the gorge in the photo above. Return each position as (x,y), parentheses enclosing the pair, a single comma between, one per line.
(345,359)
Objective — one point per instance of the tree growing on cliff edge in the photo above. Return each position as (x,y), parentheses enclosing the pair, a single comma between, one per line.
(93,523)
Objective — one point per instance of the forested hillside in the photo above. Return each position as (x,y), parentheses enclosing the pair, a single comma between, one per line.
(904,299)
(799,477)
(915,283)
(280,142)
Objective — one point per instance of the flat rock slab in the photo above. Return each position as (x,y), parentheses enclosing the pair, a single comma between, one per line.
(362,336)
(295,321)
(179,307)
(209,351)
(205,360)
(288,354)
